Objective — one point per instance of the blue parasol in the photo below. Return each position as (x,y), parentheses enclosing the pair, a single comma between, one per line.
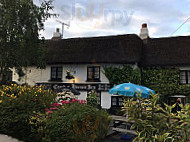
(131,90)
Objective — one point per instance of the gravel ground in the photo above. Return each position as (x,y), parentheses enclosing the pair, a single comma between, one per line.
(5,138)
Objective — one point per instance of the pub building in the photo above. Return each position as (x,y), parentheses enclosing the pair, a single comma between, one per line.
(78,63)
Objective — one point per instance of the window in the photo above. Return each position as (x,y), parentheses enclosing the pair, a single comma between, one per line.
(56,73)
(93,74)
(116,101)
(185,77)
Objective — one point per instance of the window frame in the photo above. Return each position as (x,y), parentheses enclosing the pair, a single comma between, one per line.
(117,101)
(93,79)
(56,73)
(187,77)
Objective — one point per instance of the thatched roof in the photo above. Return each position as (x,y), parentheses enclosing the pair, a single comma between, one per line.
(121,49)
(168,51)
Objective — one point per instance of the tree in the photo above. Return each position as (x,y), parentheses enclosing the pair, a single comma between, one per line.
(20,44)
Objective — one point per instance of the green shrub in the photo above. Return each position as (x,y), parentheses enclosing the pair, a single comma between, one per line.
(17,104)
(158,124)
(92,99)
(77,122)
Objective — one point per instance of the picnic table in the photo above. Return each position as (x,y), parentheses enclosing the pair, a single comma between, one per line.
(122,124)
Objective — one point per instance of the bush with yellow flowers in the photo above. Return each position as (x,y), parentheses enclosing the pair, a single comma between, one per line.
(17,104)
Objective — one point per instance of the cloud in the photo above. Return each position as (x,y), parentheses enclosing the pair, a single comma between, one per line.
(105,17)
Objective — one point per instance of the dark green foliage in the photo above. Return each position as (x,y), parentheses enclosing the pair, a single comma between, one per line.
(77,122)
(20,22)
(92,99)
(123,74)
(164,81)
(158,124)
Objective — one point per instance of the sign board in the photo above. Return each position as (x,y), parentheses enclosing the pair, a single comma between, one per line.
(77,86)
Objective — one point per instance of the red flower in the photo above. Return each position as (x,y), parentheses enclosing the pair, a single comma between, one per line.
(36,100)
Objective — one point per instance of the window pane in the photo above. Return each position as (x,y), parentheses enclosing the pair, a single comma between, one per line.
(189,81)
(53,75)
(120,103)
(114,99)
(182,77)
(114,103)
(90,69)
(96,69)
(90,75)
(59,69)
(59,75)
(182,73)
(53,69)
(183,81)
(120,99)
(188,72)
(96,76)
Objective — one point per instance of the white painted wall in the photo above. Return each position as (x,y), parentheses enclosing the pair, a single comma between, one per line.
(83,95)
(105,100)
(34,75)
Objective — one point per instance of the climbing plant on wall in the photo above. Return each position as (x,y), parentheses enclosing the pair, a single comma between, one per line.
(164,81)
(122,74)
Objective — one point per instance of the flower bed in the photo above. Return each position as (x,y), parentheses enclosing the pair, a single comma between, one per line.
(33,114)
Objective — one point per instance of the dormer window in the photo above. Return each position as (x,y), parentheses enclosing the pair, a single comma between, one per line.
(93,73)
(56,73)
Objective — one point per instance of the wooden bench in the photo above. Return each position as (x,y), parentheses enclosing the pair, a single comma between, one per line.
(119,122)
(124,131)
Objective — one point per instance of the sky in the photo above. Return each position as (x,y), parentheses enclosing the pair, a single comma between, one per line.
(92,18)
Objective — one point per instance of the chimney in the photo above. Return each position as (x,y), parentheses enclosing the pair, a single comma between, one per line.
(57,34)
(144,32)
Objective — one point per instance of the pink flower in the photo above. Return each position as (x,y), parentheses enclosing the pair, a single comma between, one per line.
(54,108)
(49,111)
(36,100)
(46,109)
(66,102)
(63,102)
(55,104)
(58,105)
(73,100)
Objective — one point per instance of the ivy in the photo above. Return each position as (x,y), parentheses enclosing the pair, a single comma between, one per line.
(164,81)
(122,74)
